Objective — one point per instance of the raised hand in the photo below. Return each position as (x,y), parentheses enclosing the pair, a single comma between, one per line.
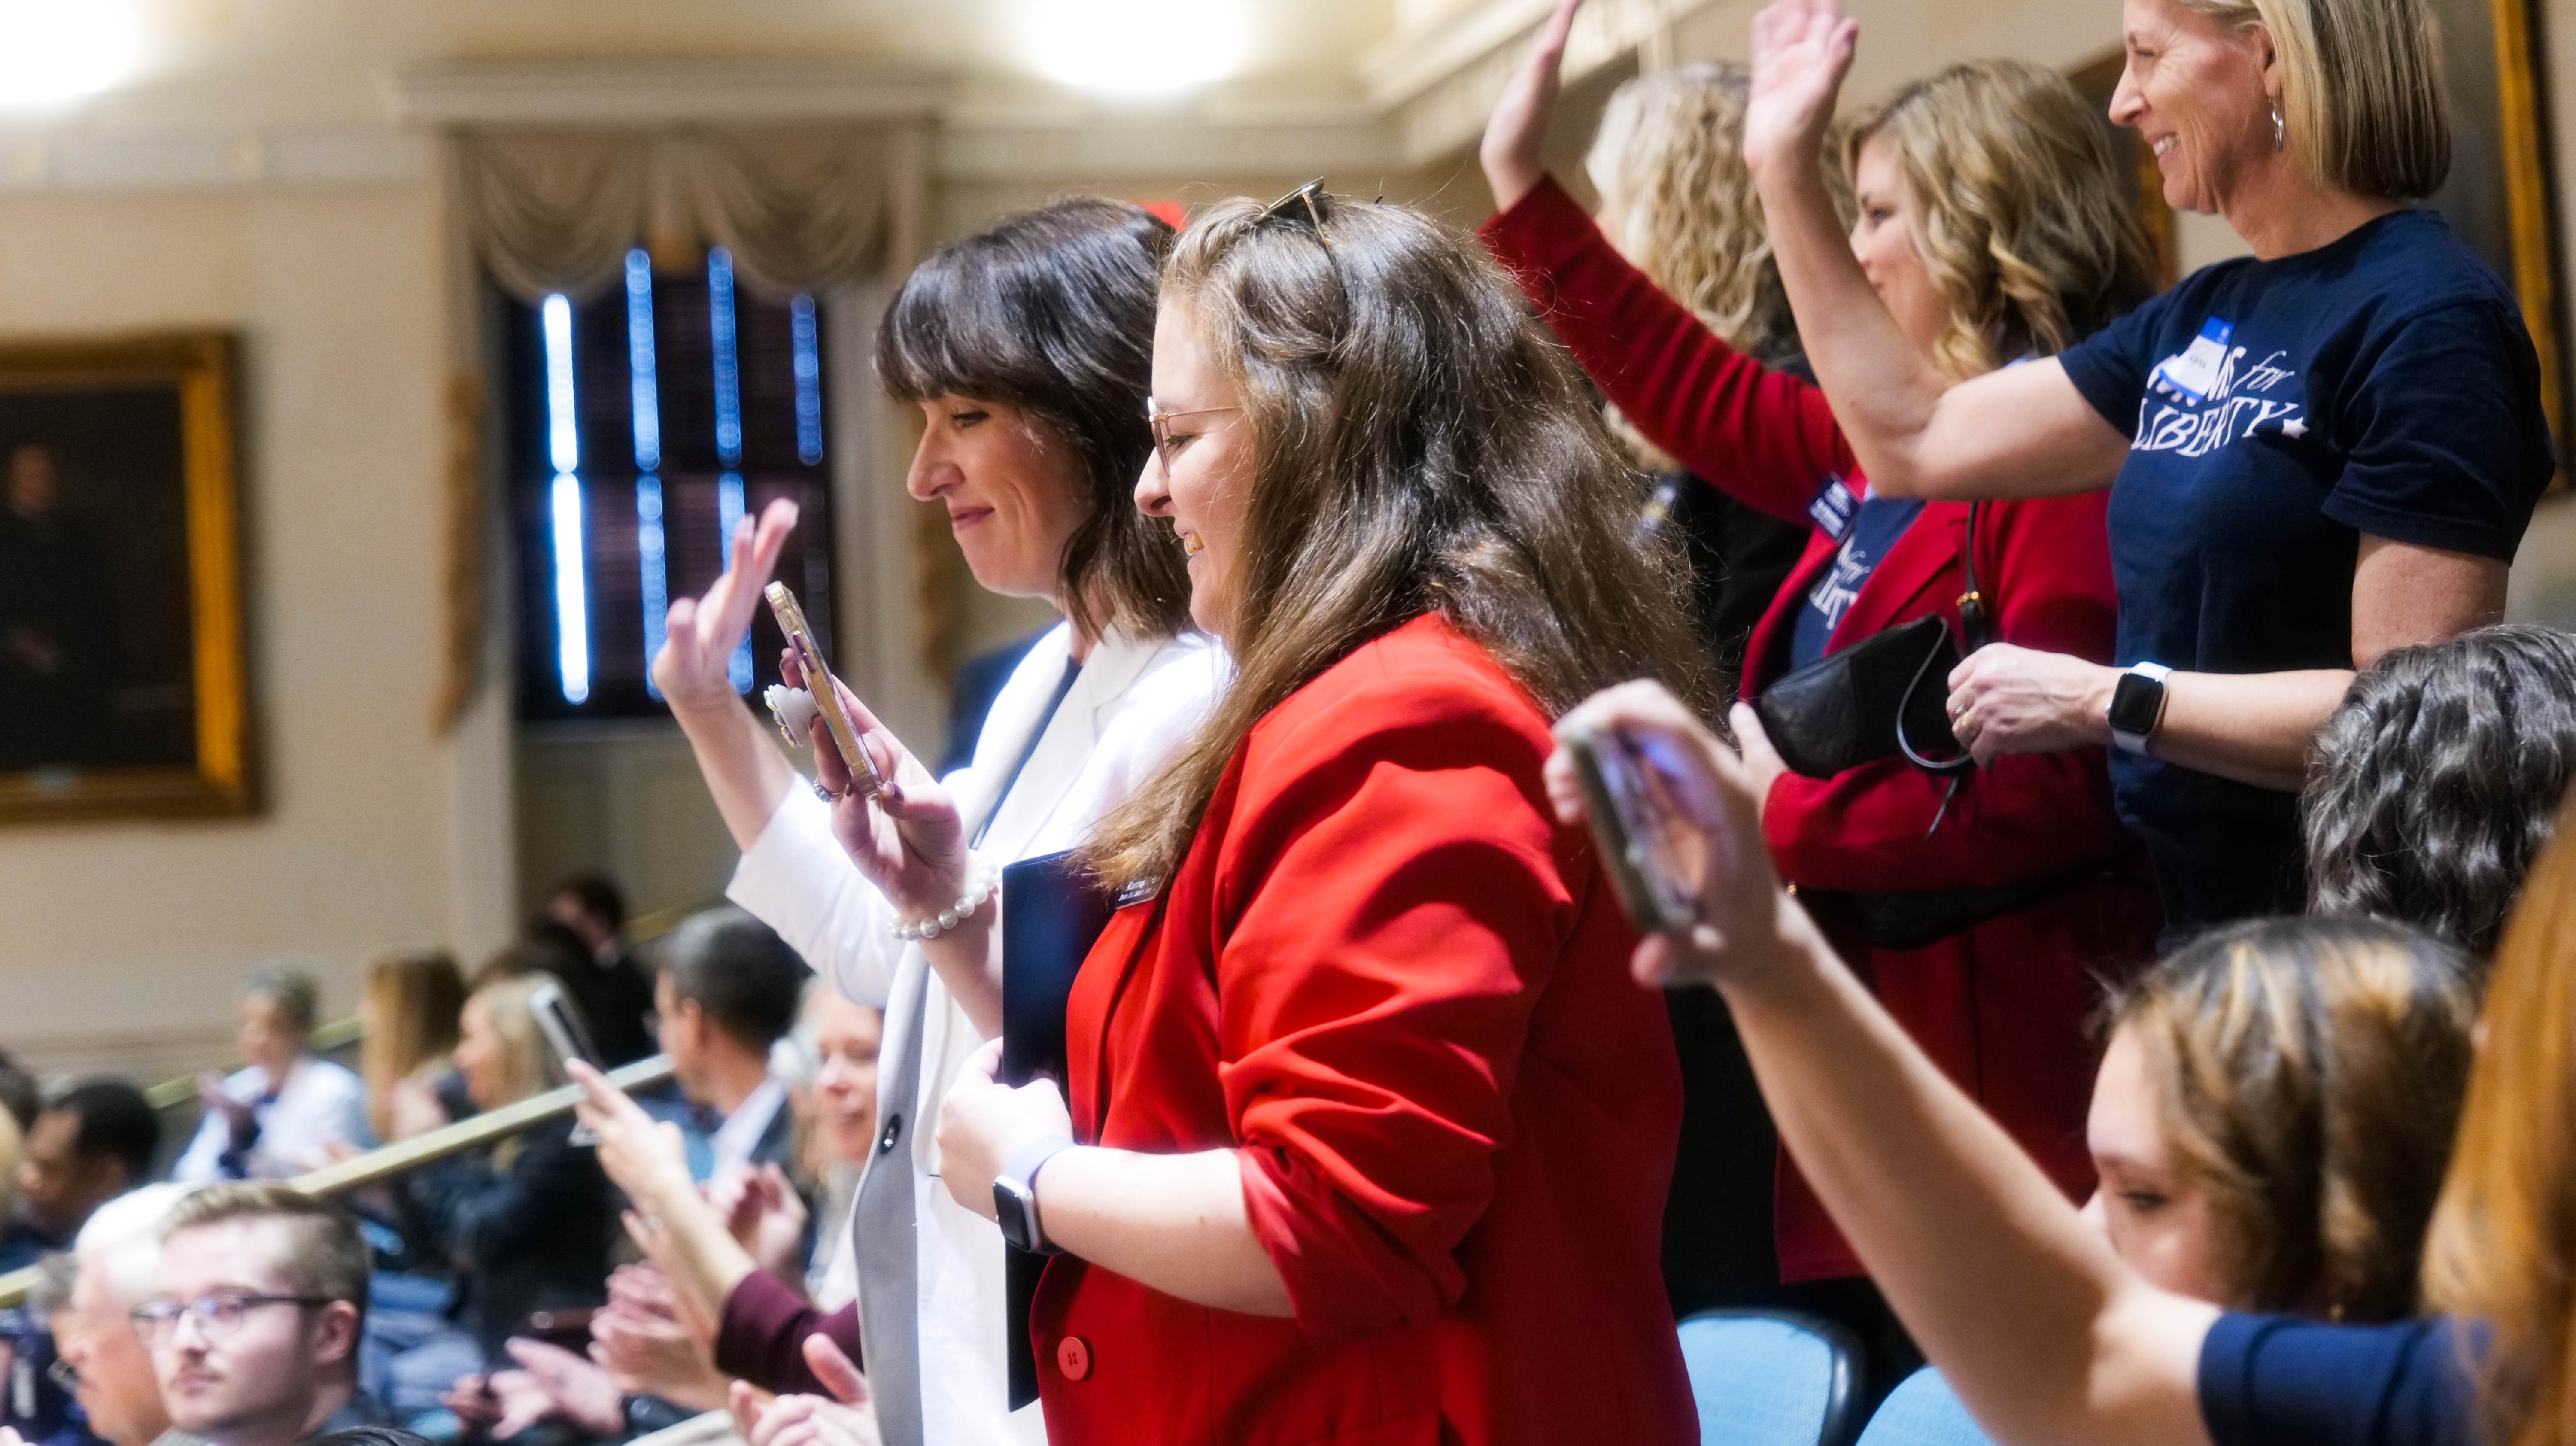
(1802,49)
(702,633)
(642,1155)
(1513,135)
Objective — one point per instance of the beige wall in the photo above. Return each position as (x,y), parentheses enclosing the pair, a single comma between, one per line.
(137,935)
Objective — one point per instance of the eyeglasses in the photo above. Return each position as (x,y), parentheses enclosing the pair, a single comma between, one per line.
(62,1374)
(1161,422)
(218,1315)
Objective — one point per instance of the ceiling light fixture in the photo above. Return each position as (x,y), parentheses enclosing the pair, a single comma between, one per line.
(54,53)
(1137,47)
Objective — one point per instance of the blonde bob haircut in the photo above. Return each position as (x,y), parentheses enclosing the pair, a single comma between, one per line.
(2503,1244)
(1678,201)
(2361,90)
(2026,214)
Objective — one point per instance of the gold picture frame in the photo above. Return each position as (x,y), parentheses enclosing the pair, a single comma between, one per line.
(123,685)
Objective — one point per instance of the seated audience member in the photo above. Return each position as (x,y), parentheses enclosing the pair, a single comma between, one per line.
(254,1321)
(2048,1335)
(2274,1112)
(409,1007)
(838,1127)
(91,1144)
(1374,1132)
(20,1098)
(286,1111)
(615,994)
(117,1261)
(370,1436)
(726,993)
(2313,454)
(525,1222)
(2435,785)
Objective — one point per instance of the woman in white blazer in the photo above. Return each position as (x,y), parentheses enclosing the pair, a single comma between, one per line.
(1028,349)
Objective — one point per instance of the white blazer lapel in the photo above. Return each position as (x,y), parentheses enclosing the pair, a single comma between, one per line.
(1006,727)
(1114,663)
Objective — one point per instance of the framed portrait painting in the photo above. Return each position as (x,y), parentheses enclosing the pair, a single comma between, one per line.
(122,681)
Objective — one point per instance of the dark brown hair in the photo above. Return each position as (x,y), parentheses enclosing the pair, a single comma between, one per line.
(2310,1074)
(1420,443)
(2435,785)
(1052,311)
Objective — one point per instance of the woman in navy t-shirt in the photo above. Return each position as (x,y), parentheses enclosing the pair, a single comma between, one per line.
(2045,1334)
(2314,455)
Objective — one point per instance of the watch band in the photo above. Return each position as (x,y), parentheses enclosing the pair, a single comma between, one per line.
(2135,740)
(1015,1194)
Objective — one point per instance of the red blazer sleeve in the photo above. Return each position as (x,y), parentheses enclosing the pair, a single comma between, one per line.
(1402,909)
(1765,438)
(2047,564)
(762,1336)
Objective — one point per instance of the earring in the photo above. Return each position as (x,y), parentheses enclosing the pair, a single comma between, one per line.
(2280,131)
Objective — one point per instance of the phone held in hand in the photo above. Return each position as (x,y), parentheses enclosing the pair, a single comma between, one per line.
(1655,858)
(561,1027)
(827,698)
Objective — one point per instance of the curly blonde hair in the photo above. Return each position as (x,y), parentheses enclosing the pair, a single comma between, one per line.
(2026,214)
(1678,202)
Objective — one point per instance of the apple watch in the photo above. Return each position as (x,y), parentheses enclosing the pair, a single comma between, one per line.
(2138,706)
(1015,1196)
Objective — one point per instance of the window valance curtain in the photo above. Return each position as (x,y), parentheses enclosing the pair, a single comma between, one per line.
(801,210)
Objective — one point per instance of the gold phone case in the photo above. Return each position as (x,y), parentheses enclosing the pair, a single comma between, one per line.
(827,698)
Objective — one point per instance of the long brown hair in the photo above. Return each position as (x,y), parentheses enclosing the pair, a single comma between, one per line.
(2028,221)
(2309,1074)
(411,1003)
(1420,443)
(2503,1246)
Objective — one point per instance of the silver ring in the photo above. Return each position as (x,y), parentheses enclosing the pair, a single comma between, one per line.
(825,794)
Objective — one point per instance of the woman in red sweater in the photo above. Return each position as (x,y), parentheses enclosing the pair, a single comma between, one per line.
(1980,162)
(1374,1130)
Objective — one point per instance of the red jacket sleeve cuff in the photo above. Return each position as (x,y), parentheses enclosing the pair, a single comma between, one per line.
(1345,1278)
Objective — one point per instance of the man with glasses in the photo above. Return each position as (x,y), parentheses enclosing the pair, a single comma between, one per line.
(254,1326)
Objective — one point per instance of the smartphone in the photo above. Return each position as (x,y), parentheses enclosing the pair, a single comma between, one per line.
(827,699)
(1656,859)
(561,1027)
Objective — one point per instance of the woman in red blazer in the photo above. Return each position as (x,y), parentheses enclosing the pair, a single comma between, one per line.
(2024,170)
(1374,1128)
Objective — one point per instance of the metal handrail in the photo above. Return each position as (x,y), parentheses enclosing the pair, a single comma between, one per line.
(403,1155)
(338,1034)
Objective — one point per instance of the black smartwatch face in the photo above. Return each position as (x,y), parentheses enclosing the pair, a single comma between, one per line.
(2135,704)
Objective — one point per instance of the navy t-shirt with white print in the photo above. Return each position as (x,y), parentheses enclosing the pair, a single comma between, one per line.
(2278,410)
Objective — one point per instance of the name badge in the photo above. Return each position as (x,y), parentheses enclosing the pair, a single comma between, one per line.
(2194,374)
(1834,508)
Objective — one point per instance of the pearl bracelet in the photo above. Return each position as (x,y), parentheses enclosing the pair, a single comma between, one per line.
(982,881)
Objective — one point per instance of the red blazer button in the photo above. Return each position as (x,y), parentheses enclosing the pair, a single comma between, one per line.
(1073,1357)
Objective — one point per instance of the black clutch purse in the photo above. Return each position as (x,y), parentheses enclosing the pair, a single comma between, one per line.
(1884,695)
(1866,702)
